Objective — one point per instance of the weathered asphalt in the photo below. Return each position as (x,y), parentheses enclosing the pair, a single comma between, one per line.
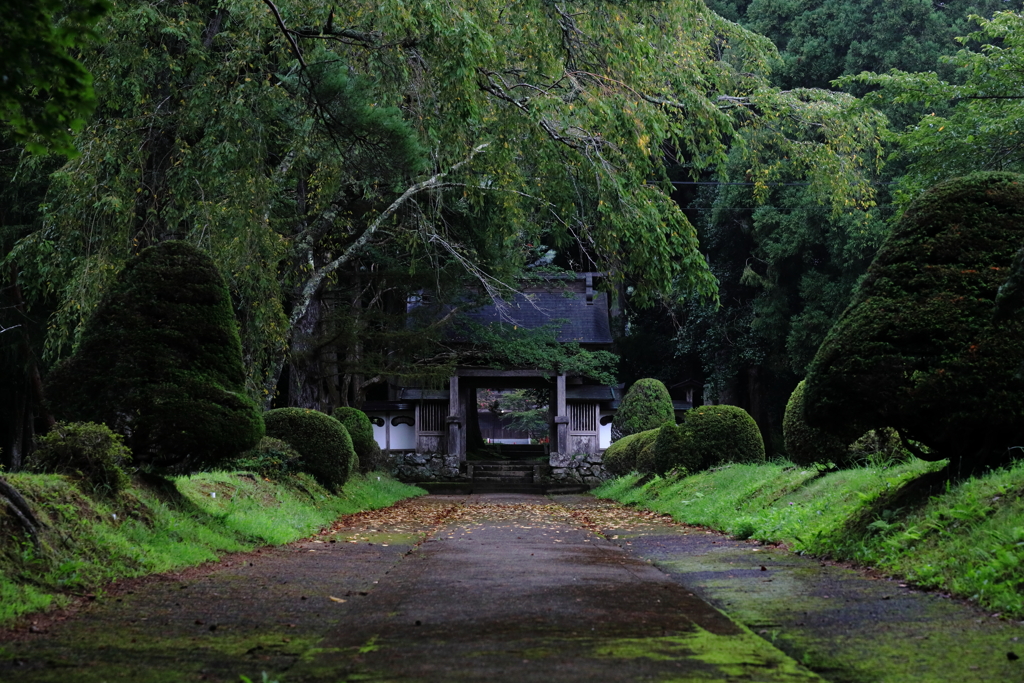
(517,588)
(479,588)
(522,593)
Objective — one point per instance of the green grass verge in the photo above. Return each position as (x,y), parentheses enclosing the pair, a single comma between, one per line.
(169,524)
(906,519)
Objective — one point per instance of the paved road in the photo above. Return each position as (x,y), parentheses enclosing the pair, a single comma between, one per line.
(517,588)
(479,588)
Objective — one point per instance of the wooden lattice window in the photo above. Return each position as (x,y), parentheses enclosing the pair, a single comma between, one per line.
(582,417)
(433,415)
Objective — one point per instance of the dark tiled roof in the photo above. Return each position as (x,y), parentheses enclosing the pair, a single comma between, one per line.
(589,392)
(581,321)
(385,406)
(416,394)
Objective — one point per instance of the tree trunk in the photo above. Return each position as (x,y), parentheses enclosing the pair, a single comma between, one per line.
(305,374)
(14,449)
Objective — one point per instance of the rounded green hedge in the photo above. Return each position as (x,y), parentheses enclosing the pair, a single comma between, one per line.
(647,405)
(323,442)
(623,455)
(672,452)
(361,431)
(717,434)
(808,445)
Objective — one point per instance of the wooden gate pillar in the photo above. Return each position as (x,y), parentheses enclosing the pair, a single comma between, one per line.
(454,419)
(561,417)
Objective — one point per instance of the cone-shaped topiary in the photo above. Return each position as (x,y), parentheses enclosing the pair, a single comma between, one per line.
(361,431)
(160,361)
(920,347)
(621,457)
(323,442)
(807,445)
(717,434)
(647,405)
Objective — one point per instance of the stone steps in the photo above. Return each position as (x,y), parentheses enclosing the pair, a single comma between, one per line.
(465,488)
(504,473)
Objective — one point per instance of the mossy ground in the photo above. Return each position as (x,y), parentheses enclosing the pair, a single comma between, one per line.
(906,519)
(161,526)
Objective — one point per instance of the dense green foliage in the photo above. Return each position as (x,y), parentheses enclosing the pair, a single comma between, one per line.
(333,162)
(920,348)
(45,92)
(821,40)
(707,437)
(673,451)
(271,458)
(359,428)
(503,345)
(717,434)
(623,455)
(973,122)
(880,446)
(85,451)
(160,362)
(647,405)
(90,541)
(785,263)
(324,443)
(806,445)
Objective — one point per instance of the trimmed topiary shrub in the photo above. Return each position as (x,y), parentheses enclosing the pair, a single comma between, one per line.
(806,445)
(646,456)
(323,442)
(160,361)
(84,450)
(717,434)
(671,451)
(621,457)
(921,347)
(647,405)
(361,431)
(270,458)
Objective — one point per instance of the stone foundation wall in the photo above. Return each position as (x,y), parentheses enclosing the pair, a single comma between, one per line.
(579,469)
(407,466)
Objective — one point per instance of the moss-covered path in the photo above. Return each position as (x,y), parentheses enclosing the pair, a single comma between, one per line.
(516,588)
(496,588)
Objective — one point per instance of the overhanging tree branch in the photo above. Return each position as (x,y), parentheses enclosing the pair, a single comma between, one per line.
(318,276)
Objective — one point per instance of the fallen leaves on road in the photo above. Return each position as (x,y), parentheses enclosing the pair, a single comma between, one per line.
(425,516)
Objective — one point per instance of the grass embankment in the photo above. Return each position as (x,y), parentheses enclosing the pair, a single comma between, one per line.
(90,540)
(907,520)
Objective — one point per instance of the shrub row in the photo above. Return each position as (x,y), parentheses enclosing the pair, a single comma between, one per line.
(707,436)
(298,440)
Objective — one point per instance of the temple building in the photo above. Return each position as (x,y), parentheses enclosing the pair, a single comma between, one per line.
(447,422)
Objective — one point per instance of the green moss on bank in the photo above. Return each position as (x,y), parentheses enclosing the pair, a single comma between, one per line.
(161,526)
(966,538)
